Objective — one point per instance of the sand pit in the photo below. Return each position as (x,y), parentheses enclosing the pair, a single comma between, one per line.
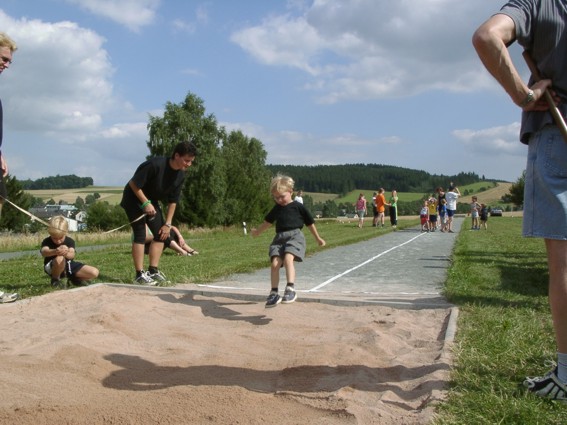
(118,355)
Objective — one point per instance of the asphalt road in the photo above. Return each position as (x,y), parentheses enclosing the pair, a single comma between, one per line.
(406,268)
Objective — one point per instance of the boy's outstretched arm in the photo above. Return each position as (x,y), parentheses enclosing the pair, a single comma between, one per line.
(264,226)
(314,232)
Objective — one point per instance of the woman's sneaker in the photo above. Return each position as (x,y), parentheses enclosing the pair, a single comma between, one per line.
(289,295)
(158,277)
(547,386)
(145,279)
(273,299)
(8,298)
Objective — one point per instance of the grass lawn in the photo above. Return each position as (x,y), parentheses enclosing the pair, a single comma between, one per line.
(499,281)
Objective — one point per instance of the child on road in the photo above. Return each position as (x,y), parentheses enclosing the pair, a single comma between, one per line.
(58,251)
(289,243)
(424,216)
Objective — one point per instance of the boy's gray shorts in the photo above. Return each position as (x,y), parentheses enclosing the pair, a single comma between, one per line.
(292,241)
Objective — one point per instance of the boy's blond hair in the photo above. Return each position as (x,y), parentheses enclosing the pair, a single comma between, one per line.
(58,226)
(281,183)
(6,41)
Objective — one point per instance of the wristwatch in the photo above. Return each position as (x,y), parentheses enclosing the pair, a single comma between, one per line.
(167,224)
(528,99)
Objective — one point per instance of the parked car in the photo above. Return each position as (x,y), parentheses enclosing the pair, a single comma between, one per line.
(496,212)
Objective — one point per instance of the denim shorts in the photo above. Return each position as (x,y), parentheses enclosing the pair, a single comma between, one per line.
(545,191)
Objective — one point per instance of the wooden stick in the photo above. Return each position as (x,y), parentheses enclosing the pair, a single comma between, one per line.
(552,107)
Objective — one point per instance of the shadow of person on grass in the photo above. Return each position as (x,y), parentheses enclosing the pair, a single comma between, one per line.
(137,374)
(216,309)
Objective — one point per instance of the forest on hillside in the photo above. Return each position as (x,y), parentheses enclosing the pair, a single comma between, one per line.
(57,182)
(342,179)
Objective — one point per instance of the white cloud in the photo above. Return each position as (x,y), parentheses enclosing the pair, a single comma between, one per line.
(372,49)
(56,89)
(133,14)
(495,141)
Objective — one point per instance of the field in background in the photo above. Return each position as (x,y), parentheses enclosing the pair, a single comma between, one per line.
(491,196)
(113,194)
(110,194)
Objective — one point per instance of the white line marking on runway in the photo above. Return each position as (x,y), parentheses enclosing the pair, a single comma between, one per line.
(363,264)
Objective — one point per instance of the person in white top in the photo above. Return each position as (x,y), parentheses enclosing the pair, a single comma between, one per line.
(451,197)
(299,197)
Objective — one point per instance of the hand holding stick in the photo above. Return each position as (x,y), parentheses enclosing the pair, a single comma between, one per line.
(552,107)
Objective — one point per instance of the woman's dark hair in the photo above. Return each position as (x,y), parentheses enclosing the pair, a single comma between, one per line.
(184,148)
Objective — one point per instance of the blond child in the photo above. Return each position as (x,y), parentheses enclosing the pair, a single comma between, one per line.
(58,251)
(432,209)
(289,243)
(424,216)
(475,213)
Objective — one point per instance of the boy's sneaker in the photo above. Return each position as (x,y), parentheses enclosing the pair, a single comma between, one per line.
(273,299)
(58,283)
(8,298)
(145,279)
(158,277)
(289,295)
(547,386)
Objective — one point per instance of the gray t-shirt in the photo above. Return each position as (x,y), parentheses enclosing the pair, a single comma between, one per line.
(540,28)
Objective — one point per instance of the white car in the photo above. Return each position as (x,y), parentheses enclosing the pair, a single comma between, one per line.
(496,212)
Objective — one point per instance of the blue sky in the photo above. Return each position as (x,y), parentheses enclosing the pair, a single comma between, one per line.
(318,82)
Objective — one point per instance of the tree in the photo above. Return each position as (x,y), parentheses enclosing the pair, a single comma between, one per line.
(204,192)
(12,218)
(103,216)
(517,190)
(80,203)
(248,193)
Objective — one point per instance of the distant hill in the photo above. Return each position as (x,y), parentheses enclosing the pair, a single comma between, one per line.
(342,179)
(57,182)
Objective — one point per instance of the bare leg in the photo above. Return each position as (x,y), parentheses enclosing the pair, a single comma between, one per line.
(275,271)
(289,267)
(138,255)
(557,260)
(156,248)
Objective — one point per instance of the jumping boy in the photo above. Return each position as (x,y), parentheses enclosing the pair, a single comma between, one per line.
(58,251)
(289,243)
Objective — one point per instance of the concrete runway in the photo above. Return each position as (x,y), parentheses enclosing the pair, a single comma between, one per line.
(403,269)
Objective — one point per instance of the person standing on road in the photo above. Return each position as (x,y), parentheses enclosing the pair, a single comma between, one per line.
(157,179)
(289,243)
(7,48)
(394,209)
(380,206)
(451,197)
(539,27)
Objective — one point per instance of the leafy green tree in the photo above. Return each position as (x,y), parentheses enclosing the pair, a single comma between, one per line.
(12,218)
(203,196)
(308,202)
(80,203)
(330,209)
(248,194)
(103,216)
(517,190)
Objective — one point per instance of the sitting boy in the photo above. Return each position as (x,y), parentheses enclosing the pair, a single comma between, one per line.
(58,251)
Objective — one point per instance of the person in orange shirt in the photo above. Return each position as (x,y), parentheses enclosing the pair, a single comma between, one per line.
(380,206)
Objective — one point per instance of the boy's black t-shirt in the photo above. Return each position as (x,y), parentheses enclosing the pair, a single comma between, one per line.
(158,181)
(48,242)
(289,217)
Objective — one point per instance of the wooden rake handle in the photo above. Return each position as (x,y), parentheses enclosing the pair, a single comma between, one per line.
(558,118)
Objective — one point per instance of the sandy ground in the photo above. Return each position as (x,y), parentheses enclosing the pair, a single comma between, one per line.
(117,355)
